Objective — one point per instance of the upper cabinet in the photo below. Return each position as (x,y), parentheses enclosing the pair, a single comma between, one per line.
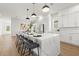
(72,20)
(68,17)
(77,19)
(69,20)
(60,23)
(65,21)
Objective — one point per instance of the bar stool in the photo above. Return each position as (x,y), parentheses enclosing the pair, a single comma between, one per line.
(19,44)
(24,44)
(29,44)
(17,39)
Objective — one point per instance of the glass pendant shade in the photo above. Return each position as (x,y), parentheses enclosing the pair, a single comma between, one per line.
(45,8)
(28,18)
(33,15)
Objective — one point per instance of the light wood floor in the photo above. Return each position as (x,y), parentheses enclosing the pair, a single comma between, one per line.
(8,48)
(68,49)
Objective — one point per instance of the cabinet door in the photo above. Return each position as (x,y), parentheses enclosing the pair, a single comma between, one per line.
(60,23)
(68,20)
(77,19)
(65,21)
(75,39)
(71,20)
(66,38)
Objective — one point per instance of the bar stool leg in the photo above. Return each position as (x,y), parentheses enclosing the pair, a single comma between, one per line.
(29,51)
(21,50)
(38,51)
(24,50)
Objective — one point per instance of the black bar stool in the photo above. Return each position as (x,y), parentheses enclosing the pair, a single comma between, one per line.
(24,44)
(19,44)
(30,45)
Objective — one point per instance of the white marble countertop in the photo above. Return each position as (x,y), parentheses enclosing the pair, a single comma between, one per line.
(43,36)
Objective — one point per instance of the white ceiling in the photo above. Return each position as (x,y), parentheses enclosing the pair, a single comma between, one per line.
(19,9)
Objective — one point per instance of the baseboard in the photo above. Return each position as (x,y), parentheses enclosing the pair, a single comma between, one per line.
(69,44)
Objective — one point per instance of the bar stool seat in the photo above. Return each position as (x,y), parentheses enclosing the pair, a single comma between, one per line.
(31,45)
(30,41)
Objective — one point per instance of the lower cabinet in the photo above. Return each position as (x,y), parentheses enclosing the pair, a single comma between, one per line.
(66,38)
(75,39)
(70,38)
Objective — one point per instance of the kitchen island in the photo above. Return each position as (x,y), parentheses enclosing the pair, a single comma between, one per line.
(49,43)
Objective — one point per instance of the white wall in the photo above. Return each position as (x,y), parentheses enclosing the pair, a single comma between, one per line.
(46,20)
(0,27)
(15,25)
(5,21)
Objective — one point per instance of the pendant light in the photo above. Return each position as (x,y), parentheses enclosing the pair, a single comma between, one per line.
(45,8)
(27,15)
(33,14)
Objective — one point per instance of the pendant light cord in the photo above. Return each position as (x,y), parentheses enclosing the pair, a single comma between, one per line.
(33,7)
(33,14)
(27,12)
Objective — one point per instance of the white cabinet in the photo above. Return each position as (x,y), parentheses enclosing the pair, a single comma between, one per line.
(75,39)
(60,22)
(71,38)
(77,19)
(68,20)
(66,38)
(71,20)
(65,21)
